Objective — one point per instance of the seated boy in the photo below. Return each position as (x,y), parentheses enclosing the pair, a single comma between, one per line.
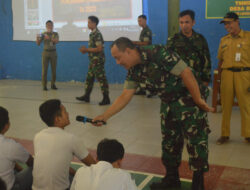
(54,149)
(12,152)
(106,174)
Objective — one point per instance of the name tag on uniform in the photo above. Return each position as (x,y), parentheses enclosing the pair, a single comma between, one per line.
(237,56)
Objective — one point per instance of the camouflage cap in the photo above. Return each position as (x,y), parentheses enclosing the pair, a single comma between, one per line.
(230,16)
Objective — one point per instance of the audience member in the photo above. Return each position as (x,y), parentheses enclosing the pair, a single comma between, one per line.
(11,152)
(106,174)
(54,149)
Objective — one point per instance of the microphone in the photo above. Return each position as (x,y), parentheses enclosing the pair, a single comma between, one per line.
(88,120)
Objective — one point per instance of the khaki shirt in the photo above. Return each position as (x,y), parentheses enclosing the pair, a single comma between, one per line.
(235,51)
(48,44)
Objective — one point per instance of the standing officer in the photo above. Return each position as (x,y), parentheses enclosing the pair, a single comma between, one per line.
(49,55)
(96,65)
(234,65)
(183,108)
(192,47)
(144,40)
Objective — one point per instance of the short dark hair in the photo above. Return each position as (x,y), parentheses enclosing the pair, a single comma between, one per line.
(4,118)
(49,110)
(187,12)
(143,16)
(122,43)
(49,21)
(94,19)
(110,150)
(2,185)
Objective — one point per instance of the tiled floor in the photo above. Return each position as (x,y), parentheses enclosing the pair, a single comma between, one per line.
(137,127)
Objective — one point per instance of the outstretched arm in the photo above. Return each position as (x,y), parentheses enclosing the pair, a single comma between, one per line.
(117,106)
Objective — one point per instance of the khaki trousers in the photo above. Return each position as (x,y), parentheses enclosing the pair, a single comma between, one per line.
(235,84)
(49,57)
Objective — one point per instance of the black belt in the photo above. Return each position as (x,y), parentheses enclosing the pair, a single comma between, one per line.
(237,69)
(50,50)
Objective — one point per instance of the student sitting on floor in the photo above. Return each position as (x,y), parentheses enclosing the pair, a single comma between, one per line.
(54,149)
(12,152)
(106,174)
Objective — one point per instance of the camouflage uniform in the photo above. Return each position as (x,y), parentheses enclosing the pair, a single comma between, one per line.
(194,51)
(145,36)
(96,65)
(180,116)
(49,55)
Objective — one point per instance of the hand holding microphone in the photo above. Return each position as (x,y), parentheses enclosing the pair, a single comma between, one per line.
(89,120)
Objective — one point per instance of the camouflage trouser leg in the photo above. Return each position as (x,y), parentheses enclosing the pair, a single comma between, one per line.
(179,122)
(96,70)
(89,83)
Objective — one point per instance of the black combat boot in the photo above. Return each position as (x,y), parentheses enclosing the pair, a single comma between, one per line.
(85,97)
(198,180)
(171,180)
(54,87)
(105,100)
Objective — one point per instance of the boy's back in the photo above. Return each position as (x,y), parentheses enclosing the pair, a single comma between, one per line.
(54,150)
(102,176)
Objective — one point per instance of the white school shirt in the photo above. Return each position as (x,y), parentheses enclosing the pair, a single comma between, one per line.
(10,153)
(54,149)
(102,176)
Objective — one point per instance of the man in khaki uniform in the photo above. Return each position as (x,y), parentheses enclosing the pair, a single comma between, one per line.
(49,55)
(234,66)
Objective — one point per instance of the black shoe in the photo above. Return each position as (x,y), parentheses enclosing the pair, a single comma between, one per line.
(54,87)
(247,139)
(222,140)
(105,101)
(83,98)
(45,88)
(165,184)
(140,92)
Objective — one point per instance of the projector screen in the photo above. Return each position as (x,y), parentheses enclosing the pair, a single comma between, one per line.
(117,18)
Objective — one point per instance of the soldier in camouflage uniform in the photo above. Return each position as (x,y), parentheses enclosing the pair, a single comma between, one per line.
(96,65)
(183,108)
(146,34)
(49,55)
(144,40)
(192,47)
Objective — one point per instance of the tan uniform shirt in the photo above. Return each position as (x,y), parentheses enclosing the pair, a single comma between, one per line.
(235,51)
